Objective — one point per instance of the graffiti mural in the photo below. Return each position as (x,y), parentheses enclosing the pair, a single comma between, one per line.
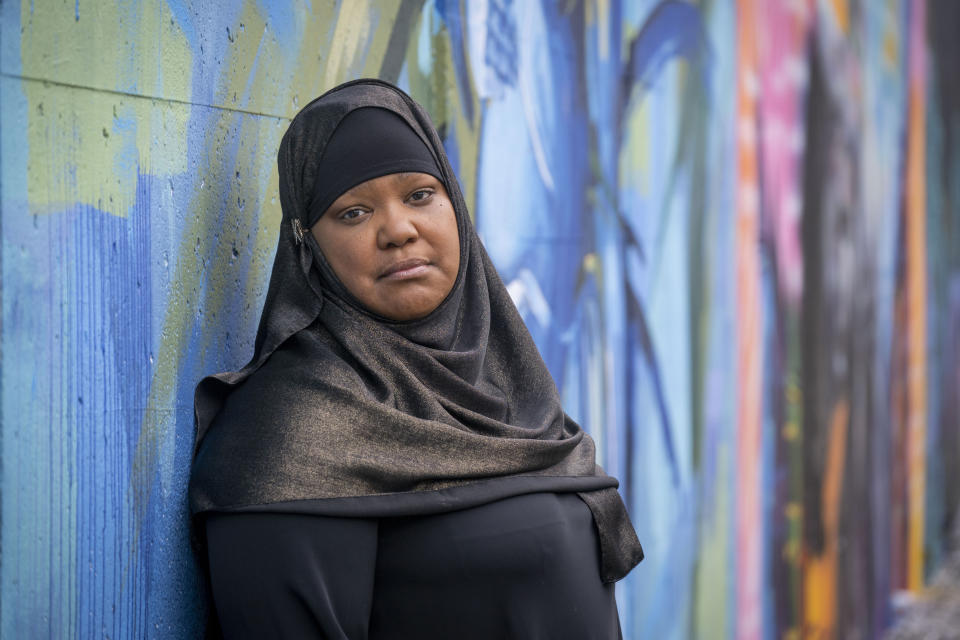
(732,227)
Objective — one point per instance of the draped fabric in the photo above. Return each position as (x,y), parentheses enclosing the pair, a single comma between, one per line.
(341,412)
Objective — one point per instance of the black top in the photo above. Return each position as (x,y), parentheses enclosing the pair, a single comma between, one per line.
(525,567)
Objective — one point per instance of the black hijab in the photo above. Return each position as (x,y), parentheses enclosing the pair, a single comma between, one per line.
(344,413)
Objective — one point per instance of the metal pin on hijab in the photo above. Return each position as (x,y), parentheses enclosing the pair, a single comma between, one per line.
(297,231)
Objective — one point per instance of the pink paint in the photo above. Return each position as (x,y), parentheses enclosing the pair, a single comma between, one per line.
(782,70)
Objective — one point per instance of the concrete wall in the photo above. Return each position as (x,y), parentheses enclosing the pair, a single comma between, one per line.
(733,228)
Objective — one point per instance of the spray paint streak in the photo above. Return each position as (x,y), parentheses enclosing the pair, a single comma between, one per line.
(915,227)
(749,346)
(782,47)
(820,579)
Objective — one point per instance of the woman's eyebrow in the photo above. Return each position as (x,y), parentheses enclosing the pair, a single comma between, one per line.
(409,175)
(356,191)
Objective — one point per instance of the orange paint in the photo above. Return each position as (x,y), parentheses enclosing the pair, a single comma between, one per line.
(841,11)
(820,572)
(749,611)
(916,285)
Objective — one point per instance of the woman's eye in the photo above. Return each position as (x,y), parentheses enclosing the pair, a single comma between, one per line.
(421,194)
(351,214)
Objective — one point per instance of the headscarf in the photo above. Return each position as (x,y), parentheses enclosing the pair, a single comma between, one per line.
(368,143)
(341,412)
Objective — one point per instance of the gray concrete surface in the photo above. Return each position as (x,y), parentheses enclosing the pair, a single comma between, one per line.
(933,614)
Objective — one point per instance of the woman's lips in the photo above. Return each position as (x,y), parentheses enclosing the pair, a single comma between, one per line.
(405,269)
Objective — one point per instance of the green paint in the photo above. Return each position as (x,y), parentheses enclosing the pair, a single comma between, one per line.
(714,570)
(78,154)
(634,165)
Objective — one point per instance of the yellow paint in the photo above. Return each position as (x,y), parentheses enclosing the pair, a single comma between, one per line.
(307,82)
(890,38)
(791,550)
(713,604)
(208,286)
(791,431)
(139,50)
(635,157)
(252,177)
(264,235)
(841,12)
(349,36)
(603,28)
(793,392)
(245,71)
(85,146)
(891,50)
(440,95)
(820,571)
(380,37)
(597,15)
(271,77)
(435,88)
(916,287)
(793,511)
(468,141)
(591,264)
(251,83)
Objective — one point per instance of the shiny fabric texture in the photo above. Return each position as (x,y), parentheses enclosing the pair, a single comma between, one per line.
(342,412)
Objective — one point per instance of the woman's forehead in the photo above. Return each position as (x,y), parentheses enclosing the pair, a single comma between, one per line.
(402,180)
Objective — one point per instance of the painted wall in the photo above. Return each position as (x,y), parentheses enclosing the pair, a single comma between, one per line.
(733,228)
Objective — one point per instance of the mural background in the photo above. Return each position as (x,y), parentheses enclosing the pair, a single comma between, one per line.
(732,226)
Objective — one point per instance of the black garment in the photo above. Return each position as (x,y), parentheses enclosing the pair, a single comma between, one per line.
(521,568)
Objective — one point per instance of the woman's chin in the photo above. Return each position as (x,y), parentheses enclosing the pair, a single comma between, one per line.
(407,312)
(407,302)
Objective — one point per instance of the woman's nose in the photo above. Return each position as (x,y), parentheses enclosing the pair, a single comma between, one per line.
(397,227)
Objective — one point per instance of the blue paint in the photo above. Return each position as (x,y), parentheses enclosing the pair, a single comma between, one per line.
(112,276)
(183,17)
(10,38)
(501,49)
(100,304)
(449,11)
(281,20)
(674,29)
(424,49)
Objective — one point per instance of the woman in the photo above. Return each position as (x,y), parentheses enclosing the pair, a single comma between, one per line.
(394,461)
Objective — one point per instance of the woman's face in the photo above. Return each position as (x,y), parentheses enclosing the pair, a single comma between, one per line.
(393,243)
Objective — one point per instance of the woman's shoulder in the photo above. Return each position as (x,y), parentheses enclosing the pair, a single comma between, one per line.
(302,370)
(308,361)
